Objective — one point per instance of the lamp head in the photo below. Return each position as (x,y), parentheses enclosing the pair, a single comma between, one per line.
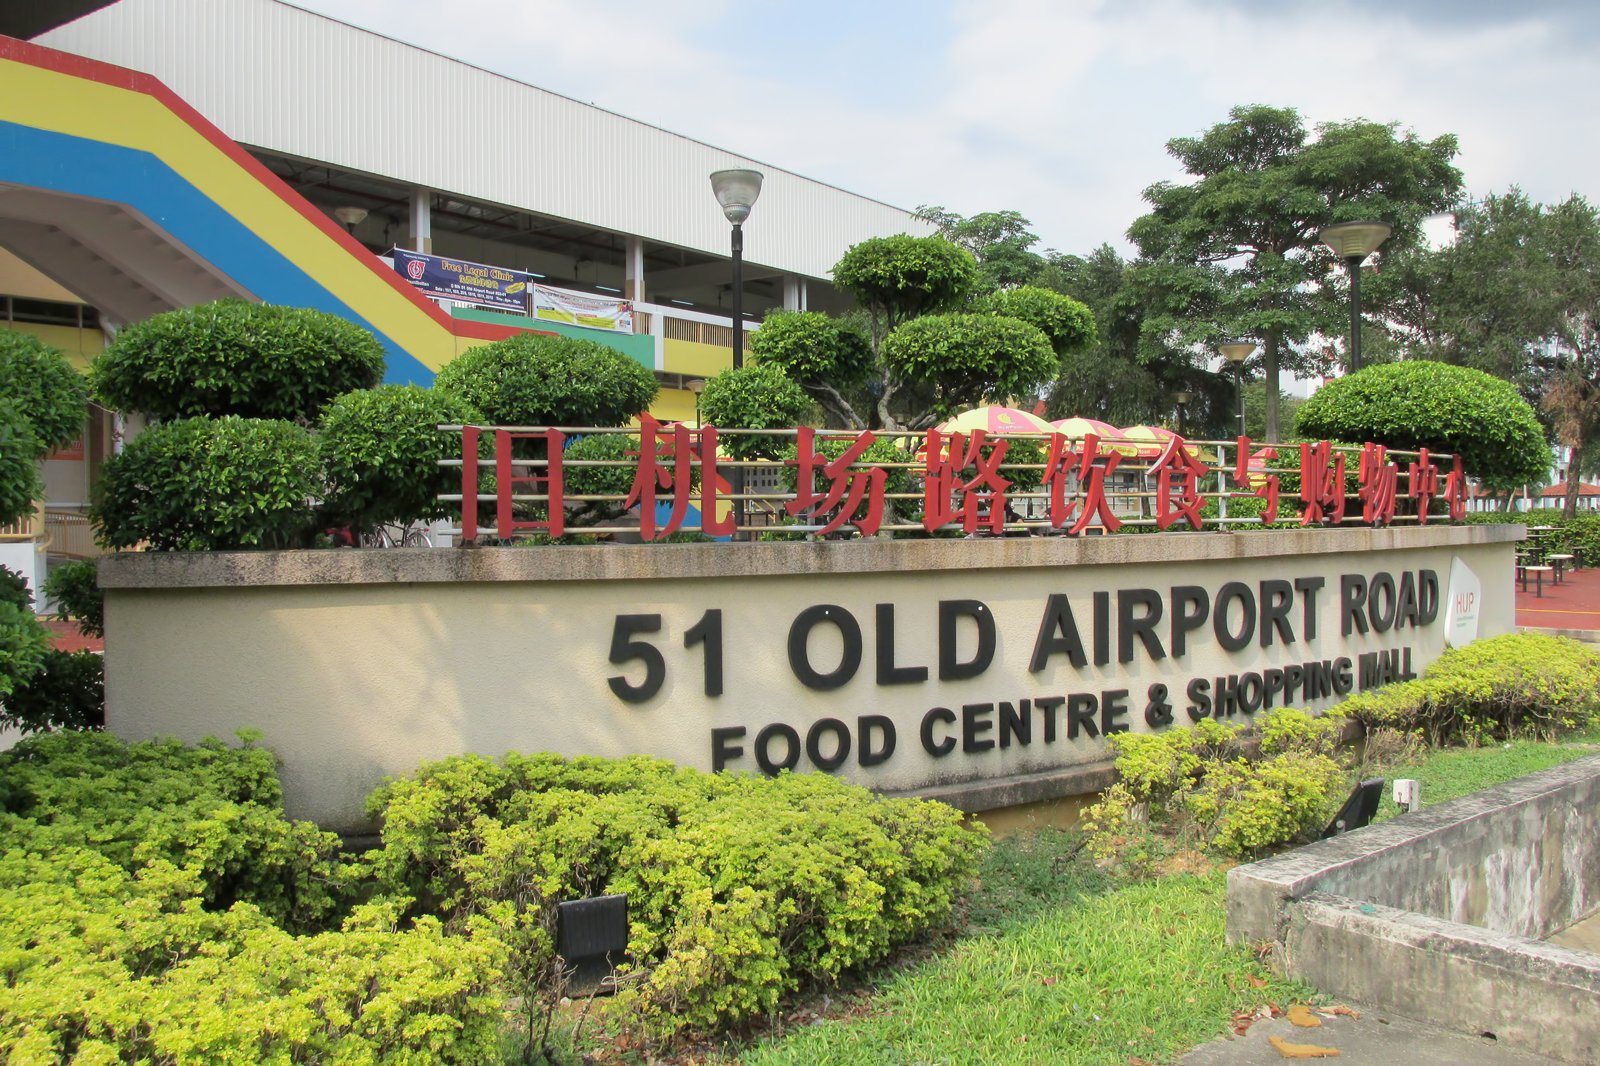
(736,191)
(350,216)
(1182,397)
(1355,240)
(1236,351)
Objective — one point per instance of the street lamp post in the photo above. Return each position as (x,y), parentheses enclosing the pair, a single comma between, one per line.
(737,191)
(1182,399)
(1236,352)
(1353,242)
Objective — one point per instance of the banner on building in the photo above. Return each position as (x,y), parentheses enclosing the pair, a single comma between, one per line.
(578,309)
(457,279)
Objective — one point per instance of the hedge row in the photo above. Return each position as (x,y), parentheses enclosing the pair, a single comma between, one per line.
(1516,684)
(156,906)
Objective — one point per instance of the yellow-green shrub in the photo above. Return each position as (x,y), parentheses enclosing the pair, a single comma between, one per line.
(1518,683)
(739,888)
(1194,788)
(156,907)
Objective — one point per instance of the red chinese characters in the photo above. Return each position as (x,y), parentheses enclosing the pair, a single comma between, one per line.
(1090,469)
(1321,484)
(1379,482)
(1265,484)
(947,495)
(1177,466)
(667,461)
(842,478)
(507,481)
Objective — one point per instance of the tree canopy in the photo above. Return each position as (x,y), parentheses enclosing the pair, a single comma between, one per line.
(47,391)
(898,278)
(233,357)
(533,379)
(1247,223)
(1426,404)
(967,360)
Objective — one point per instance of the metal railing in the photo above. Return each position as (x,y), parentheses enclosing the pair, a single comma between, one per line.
(1127,483)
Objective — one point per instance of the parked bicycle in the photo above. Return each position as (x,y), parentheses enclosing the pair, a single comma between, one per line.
(415,535)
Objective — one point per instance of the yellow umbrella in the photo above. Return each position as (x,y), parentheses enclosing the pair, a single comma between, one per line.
(995,419)
(1165,434)
(1076,429)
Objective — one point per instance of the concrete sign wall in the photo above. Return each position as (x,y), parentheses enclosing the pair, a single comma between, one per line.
(904,665)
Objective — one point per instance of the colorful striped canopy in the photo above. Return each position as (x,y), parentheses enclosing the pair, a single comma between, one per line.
(995,419)
(1077,428)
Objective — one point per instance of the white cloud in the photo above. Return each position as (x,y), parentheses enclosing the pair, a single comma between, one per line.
(1058,110)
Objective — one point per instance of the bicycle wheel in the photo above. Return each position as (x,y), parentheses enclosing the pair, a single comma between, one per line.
(416,537)
(377,537)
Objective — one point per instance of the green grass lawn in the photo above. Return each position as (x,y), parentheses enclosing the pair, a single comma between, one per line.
(1449,773)
(1059,963)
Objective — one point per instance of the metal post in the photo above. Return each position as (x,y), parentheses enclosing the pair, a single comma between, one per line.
(738,296)
(736,475)
(1182,429)
(1238,395)
(1355,312)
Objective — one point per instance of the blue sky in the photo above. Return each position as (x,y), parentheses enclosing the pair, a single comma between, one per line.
(1059,109)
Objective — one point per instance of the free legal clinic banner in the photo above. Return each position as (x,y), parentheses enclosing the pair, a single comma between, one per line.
(510,290)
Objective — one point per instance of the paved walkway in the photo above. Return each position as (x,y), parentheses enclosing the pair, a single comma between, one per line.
(1375,1039)
(1572,607)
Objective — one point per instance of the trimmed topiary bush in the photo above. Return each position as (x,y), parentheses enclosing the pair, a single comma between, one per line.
(813,348)
(49,393)
(155,906)
(756,396)
(1444,408)
(380,454)
(1067,323)
(537,380)
(75,589)
(210,484)
(1195,788)
(897,278)
(20,484)
(233,357)
(739,888)
(969,359)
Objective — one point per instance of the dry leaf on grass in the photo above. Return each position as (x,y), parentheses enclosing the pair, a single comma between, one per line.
(1301,1015)
(1301,1051)
(1341,1010)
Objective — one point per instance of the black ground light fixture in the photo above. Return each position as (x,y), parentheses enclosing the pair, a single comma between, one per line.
(1353,242)
(737,191)
(592,938)
(1236,352)
(1182,400)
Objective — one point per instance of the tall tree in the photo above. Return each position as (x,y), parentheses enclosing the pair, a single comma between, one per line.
(1001,241)
(1572,236)
(1262,190)
(1488,300)
(1140,358)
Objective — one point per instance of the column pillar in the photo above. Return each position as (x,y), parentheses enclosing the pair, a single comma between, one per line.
(422,220)
(633,270)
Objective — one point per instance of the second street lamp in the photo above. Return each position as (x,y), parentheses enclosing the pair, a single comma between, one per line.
(1182,398)
(1236,352)
(1353,242)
